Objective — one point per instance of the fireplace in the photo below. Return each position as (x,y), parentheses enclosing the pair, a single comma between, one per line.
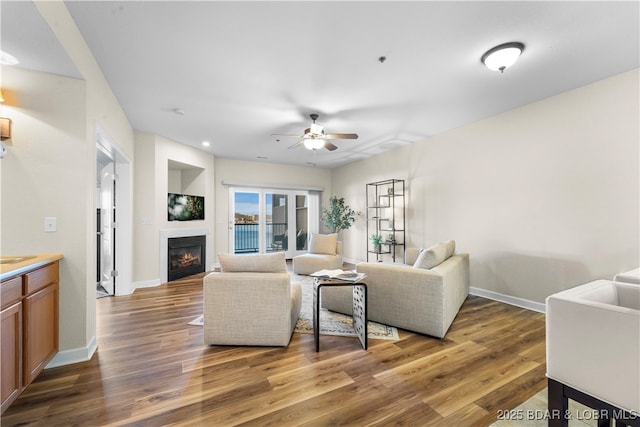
(186,256)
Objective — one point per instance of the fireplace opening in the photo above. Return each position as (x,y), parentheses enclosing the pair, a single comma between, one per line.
(186,256)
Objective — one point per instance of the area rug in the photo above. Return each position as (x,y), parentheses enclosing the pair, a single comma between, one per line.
(330,323)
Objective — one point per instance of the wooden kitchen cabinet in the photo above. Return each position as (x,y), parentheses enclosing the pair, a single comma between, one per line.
(29,328)
(11,353)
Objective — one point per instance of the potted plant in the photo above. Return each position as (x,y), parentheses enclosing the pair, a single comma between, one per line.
(339,216)
(376,239)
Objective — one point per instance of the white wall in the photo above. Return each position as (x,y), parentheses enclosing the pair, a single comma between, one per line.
(51,172)
(544,197)
(260,174)
(152,183)
(45,174)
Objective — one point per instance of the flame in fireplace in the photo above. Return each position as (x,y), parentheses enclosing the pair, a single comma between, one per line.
(188,259)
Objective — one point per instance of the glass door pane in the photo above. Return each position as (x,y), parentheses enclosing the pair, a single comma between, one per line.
(302,223)
(245,223)
(277,222)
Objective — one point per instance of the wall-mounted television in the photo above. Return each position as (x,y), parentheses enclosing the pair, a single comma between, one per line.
(184,207)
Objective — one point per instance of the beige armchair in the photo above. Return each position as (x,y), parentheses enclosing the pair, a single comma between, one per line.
(324,253)
(424,295)
(251,301)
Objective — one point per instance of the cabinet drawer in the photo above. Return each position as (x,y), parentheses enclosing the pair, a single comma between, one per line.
(40,278)
(11,291)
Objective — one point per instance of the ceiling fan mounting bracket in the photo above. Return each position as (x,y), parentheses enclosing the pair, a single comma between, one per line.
(314,116)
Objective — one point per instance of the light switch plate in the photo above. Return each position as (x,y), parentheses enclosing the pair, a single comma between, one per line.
(50,224)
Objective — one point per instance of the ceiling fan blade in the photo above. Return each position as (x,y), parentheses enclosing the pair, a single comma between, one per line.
(287,135)
(296,145)
(340,136)
(329,146)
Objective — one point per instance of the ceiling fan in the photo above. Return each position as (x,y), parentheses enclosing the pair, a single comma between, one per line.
(315,138)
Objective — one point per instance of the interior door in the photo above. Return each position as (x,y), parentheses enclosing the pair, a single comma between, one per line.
(107,231)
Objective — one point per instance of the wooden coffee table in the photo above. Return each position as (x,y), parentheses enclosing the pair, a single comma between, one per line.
(359,307)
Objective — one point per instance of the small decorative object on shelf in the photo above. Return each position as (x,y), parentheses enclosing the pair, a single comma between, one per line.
(385,214)
(376,239)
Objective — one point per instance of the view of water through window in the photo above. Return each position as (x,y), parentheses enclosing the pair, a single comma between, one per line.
(247,222)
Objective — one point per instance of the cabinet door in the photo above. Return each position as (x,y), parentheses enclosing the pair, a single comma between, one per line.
(40,330)
(11,354)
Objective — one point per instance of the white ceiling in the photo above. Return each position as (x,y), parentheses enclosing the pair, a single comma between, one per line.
(242,71)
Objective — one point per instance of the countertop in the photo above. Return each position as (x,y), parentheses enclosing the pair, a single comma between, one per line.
(26,264)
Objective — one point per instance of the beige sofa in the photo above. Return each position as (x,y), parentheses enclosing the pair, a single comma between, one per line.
(251,301)
(424,300)
(324,253)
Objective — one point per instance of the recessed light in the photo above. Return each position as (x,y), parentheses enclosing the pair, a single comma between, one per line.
(178,111)
(206,143)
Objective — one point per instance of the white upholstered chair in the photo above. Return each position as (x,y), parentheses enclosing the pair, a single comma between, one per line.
(251,301)
(632,276)
(593,350)
(324,253)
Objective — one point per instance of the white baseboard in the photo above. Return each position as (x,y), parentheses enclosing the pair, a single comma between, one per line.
(76,355)
(507,299)
(145,284)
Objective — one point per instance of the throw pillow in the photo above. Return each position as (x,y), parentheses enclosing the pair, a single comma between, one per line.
(451,248)
(258,263)
(323,243)
(435,255)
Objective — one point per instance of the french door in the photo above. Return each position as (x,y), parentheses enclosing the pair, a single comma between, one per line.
(263,220)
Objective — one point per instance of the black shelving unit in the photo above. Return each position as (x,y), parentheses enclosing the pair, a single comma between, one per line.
(385,217)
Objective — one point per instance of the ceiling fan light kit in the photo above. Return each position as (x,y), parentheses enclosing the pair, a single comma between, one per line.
(314,143)
(503,56)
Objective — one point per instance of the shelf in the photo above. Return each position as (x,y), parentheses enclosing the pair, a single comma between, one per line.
(386,216)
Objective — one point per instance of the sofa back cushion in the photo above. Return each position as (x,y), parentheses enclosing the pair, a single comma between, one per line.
(435,255)
(323,243)
(257,263)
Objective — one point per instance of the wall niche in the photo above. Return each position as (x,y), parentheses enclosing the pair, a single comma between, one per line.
(185,192)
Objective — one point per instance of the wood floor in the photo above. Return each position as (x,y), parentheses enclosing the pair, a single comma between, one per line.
(151,369)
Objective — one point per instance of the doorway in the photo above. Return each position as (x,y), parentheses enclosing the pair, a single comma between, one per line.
(106,211)
(114,240)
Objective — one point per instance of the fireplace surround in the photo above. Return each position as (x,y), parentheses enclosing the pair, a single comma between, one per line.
(168,233)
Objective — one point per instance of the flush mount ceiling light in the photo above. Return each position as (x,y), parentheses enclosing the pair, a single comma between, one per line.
(502,56)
